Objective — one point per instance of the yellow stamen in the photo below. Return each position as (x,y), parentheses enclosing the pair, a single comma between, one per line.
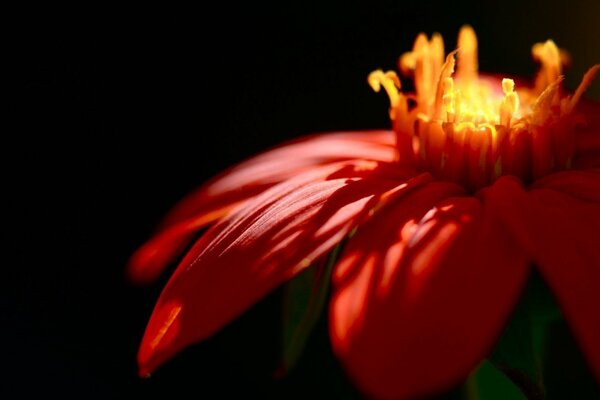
(423,68)
(425,63)
(549,57)
(390,83)
(467,55)
(510,103)
(447,71)
(464,129)
(448,98)
(407,63)
(542,107)
(436,51)
(586,81)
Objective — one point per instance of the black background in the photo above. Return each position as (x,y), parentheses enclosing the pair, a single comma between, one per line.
(118,113)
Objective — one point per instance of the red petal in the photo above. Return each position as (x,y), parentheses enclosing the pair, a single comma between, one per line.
(584,184)
(561,229)
(422,292)
(152,257)
(258,247)
(271,167)
(235,186)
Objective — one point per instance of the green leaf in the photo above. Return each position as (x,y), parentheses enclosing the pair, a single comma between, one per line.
(488,383)
(519,353)
(304,301)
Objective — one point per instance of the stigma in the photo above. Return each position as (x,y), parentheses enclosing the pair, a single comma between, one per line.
(472,129)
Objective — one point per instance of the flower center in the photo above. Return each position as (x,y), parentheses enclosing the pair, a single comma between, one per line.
(472,129)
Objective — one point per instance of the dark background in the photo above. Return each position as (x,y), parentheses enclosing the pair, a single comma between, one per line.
(118,113)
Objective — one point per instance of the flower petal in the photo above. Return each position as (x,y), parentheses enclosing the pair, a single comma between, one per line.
(584,184)
(254,175)
(422,292)
(236,185)
(561,233)
(262,244)
(148,262)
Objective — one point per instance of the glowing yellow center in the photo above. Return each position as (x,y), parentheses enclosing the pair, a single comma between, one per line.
(471,129)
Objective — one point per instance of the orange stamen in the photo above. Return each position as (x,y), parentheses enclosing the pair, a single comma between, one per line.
(465,129)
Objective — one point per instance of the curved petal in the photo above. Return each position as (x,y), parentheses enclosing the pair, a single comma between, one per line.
(423,291)
(235,186)
(583,184)
(254,175)
(560,225)
(148,262)
(261,245)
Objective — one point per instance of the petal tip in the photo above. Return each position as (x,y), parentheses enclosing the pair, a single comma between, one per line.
(160,339)
(142,268)
(144,373)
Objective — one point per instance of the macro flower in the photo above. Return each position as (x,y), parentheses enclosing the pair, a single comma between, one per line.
(480,180)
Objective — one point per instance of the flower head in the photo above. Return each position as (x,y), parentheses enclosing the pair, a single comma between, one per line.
(480,178)
(471,129)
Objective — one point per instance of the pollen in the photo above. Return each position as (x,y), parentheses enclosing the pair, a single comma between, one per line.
(472,128)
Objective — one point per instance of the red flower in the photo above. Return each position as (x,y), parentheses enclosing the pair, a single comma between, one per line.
(473,185)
